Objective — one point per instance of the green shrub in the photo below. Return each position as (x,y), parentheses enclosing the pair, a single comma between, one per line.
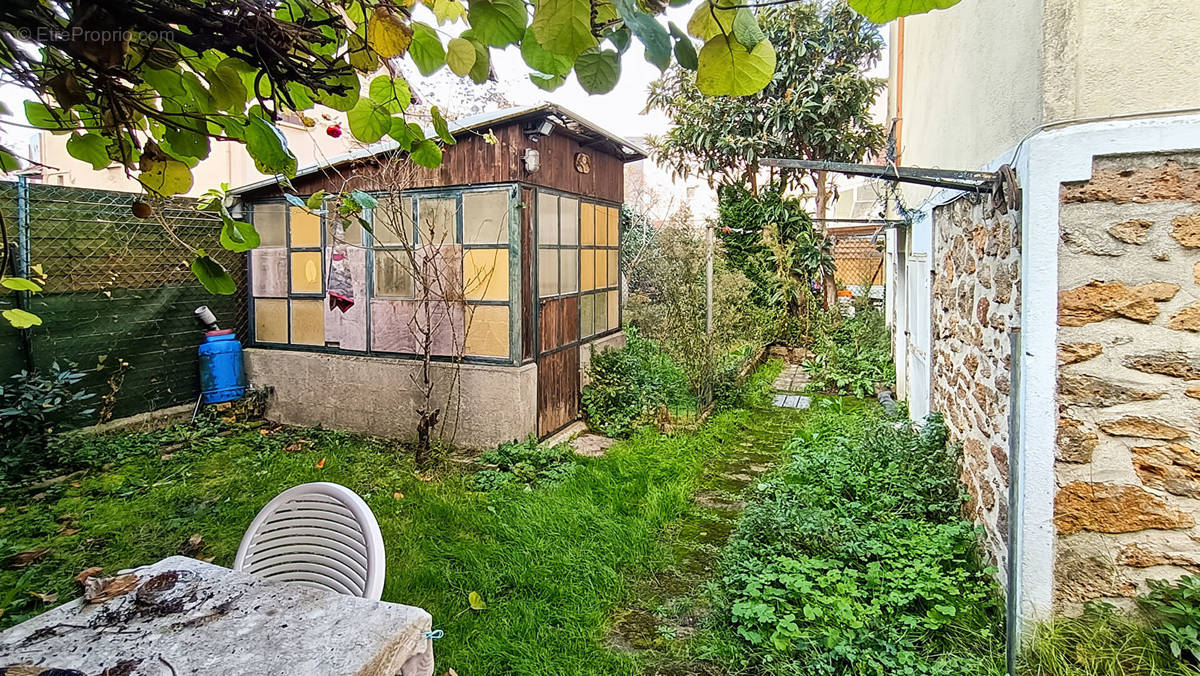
(1175,610)
(526,464)
(1101,642)
(629,384)
(31,404)
(853,559)
(852,355)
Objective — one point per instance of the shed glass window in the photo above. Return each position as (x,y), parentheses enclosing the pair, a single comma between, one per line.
(287,273)
(578,248)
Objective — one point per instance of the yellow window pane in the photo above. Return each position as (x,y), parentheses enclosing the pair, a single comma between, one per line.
(569,265)
(601,269)
(306,228)
(270,320)
(270,220)
(568,219)
(437,221)
(392,221)
(587,314)
(306,272)
(308,322)
(487,330)
(485,217)
(587,270)
(614,224)
(612,267)
(547,272)
(547,215)
(601,226)
(485,274)
(587,224)
(393,274)
(614,310)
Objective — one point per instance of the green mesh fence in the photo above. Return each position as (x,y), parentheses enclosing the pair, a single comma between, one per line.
(119,294)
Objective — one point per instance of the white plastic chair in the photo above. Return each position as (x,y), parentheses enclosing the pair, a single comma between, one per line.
(319,534)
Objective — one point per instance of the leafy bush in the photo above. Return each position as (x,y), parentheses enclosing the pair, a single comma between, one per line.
(853,559)
(1175,609)
(628,385)
(1101,642)
(30,406)
(852,355)
(525,463)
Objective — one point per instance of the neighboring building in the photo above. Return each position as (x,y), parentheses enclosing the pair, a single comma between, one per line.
(1059,338)
(654,192)
(521,281)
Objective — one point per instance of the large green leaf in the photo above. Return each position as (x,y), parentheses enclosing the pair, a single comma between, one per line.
(541,60)
(91,148)
(238,236)
(268,148)
(746,30)
(20,284)
(448,10)
(460,56)
(547,82)
(727,68)
(482,69)
(369,121)
(685,51)
(708,21)
(563,27)
(598,70)
(392,93)
(41,116)
(426,49)
(162,174)
(883,11)
(340,90)
(441,126)
(497,22)
(212,275)
(388,34)
(20,319)
(427,154)
(225,83)
(652,33)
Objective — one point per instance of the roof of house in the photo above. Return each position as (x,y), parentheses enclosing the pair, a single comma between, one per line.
(590,132)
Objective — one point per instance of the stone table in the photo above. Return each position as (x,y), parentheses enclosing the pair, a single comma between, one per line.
(190,617)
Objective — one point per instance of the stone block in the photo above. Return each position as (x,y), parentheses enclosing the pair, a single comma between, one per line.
(1187,319)
(1097,301)
(1137,555)
(1111,508)
(1186,230)
(1073,353)
(1075,443)
(1135,231)
(1088,390)
(1144,427)
(1173,363)
(1172,467)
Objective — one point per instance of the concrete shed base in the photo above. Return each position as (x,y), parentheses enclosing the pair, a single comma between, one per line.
(482,405)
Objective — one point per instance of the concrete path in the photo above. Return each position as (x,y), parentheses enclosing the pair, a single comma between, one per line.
(791,382)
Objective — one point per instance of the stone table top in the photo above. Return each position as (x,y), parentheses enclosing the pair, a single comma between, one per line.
(191,617)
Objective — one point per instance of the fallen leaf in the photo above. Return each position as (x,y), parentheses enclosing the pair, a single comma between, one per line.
(398,495)
(25,558)
(52,597)
(298,445)
(38,497)
(321,463)
(206,559)
(192,545)
(476,601)
(450,672)
(423,477)
(68,531)
(76,484)
(3,510)
(86,573)
(101,589)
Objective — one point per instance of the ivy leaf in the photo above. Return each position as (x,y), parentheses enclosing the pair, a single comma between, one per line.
(20,284)
(883,11)
(649,31)
(21,319)
(91,148)
(727,68)
(426,49)
(685,51)
(441,126)
(598,70)
(460,56)
(563,27)
(212,275)
(427,154)
(369,121)
(268,147)
(239,236)
(387,34)
(541,60)
(497,22)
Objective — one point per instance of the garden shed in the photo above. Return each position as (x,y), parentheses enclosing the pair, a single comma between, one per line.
(501,266)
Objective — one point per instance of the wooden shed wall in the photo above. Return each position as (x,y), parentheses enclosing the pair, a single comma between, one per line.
(473,161)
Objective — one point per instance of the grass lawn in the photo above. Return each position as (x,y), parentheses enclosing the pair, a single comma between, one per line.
(550,563)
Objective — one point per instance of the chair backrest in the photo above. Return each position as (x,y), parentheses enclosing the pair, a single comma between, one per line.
(320,534)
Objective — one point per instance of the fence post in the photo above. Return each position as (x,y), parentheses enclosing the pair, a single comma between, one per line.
(22,263)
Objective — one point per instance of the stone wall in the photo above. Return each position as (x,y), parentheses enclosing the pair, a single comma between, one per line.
(976,298)
(1127,466)
(485,405)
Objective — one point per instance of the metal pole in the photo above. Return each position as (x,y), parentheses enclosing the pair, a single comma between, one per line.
(22,263)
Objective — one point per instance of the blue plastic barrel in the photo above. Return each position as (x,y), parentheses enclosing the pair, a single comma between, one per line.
(221,374)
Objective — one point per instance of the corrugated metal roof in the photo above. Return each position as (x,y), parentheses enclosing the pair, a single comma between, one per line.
(629,149)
